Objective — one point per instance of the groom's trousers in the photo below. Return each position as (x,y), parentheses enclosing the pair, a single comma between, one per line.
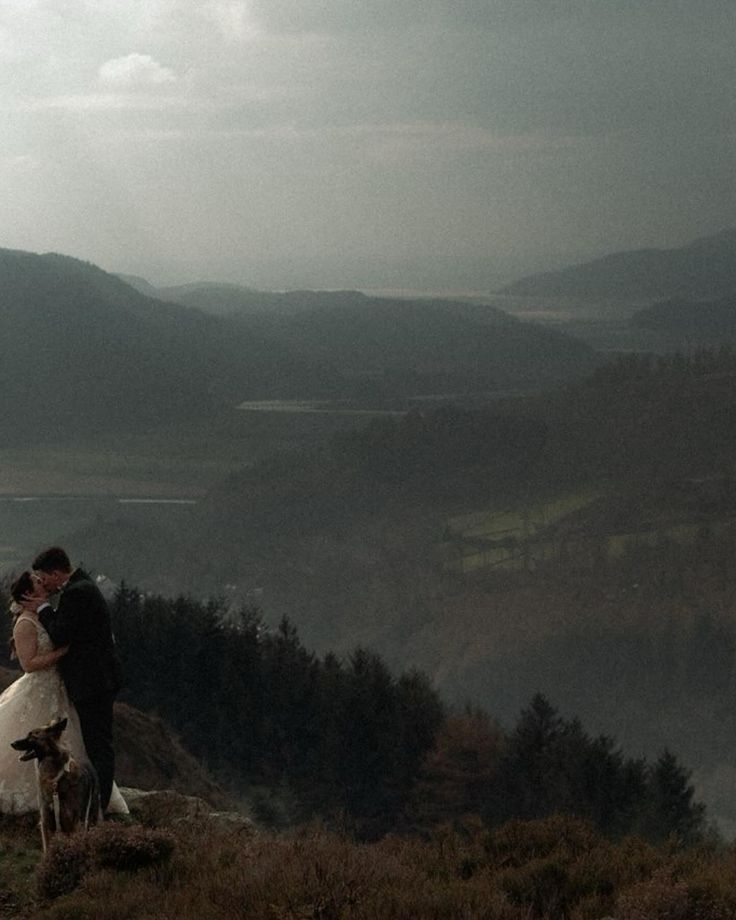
(95,718)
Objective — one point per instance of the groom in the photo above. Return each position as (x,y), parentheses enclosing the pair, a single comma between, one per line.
(90,669)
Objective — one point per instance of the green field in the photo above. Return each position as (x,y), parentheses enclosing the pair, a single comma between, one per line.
(508,538)
(525,537)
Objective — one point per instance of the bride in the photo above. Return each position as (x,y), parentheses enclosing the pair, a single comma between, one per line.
(34,700)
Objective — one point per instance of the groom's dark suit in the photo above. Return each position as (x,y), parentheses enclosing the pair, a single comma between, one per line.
(90,669)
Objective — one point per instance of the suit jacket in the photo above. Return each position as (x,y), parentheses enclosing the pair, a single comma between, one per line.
(82,621)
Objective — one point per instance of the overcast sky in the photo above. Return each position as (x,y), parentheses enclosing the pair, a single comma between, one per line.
(433,144)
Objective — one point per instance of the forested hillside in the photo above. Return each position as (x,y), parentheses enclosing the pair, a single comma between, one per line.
(117,359)
(580,545)
(400,346)
(345,739)
(86,352)
(694,322)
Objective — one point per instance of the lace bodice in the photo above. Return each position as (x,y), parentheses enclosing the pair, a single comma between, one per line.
(44,640)
(45,676)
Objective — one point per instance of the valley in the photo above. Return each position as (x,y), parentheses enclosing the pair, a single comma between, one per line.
(509,508)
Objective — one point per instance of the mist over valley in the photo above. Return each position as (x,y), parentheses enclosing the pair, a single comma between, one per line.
(458,488)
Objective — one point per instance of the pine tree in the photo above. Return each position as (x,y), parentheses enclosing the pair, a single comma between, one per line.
(670,809)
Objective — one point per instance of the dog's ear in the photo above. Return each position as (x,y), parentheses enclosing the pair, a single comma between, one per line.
(56,728)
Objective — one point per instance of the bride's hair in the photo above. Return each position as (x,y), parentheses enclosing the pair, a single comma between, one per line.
(22,585)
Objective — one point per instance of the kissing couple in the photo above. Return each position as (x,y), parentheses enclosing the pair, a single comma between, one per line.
(70,670)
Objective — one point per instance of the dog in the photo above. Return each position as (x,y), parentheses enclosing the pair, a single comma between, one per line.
(68,791)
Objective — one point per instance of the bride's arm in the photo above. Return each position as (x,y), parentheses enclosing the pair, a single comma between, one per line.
(26,648)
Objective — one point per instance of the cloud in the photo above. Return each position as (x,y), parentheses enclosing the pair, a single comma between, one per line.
(232,19)
(456,137)
(91,102)
(336,16)
(135,70)
(539,122)
(22,162)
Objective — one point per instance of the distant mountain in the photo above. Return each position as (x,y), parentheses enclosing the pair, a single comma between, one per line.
(220,299)
(234,300)
(424,347)
(83,350)
(704,269)
(140,285)
(701,320)
(398,346)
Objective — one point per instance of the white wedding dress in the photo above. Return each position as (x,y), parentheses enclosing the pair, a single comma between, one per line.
(32,701)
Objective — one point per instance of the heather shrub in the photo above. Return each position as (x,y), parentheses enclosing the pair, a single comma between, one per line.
(541,887)
(561,866)
(516,842)
(71,858)
(593,879)
(598,873)
(128,848)
(660,897)
(555,869)
(66,862)
(711,890)
(638,858)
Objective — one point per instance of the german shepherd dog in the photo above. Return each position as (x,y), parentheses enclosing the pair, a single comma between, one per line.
(68,791)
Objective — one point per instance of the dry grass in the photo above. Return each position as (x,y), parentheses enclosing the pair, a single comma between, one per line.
(558,869)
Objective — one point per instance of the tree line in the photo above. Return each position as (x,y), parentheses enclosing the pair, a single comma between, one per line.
(637,419)
(645,418)
(349,740)
(444,455)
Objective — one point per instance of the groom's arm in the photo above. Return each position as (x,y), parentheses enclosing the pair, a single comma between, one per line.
(62,625)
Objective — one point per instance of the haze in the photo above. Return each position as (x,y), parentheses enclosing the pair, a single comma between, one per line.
(436,145)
